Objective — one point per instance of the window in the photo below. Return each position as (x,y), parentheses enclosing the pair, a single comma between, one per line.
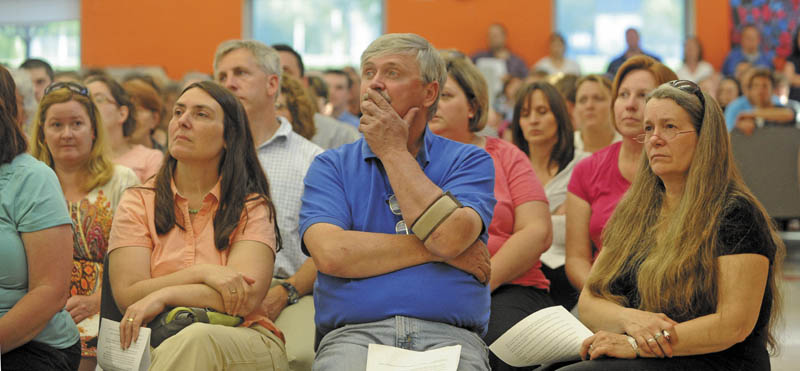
(595,29)
(327,33)
(40,29)
(56,42)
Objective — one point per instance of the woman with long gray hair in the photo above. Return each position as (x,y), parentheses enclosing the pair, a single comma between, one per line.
(686,279)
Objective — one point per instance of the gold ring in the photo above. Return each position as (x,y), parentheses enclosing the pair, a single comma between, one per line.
(233,291)
(130,319)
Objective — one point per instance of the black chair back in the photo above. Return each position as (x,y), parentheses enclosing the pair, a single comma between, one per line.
(769,162)
(108,307)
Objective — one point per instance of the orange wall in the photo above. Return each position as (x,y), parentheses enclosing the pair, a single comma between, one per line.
(462,24)
(180,35)
(713,25)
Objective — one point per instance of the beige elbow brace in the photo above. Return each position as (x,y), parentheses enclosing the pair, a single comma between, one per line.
(436,213)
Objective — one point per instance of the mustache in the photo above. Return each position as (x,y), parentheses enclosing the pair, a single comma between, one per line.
(382,92)
(385,95)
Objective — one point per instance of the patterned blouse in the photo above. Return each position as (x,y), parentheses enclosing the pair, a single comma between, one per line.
(91,219)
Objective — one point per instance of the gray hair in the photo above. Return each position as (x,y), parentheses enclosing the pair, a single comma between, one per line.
(266,57)
(430,63)
(25,88)
(688,101)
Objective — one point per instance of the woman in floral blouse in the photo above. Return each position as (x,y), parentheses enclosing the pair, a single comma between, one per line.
(69,137)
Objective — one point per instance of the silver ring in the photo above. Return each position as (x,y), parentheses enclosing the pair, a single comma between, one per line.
(591,346)
(650,340)
(666,333)
(657,336)
(233,291)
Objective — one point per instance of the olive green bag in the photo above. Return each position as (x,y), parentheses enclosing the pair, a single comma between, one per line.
(172,321)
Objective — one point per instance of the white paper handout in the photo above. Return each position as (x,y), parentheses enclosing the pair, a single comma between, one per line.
(387,358)
(111,357)
(547,336)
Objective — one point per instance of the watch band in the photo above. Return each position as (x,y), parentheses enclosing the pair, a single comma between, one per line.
(294,297)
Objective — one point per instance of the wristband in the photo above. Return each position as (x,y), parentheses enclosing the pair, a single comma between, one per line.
(436,213)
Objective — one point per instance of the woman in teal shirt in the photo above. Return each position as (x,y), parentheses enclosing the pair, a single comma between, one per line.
(36,333)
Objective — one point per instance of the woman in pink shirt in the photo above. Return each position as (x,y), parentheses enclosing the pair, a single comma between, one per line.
(202,233)
(118,114)
(599,181)
(520,230)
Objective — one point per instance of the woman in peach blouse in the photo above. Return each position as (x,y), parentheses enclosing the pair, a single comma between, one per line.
(201,233)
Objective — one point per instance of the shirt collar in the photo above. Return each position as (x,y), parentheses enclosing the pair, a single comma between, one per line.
(422,156)
(283,131)
(215,190)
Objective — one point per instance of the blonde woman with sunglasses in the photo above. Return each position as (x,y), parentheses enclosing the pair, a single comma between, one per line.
(69,137)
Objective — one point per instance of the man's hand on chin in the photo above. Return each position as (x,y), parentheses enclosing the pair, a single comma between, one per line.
(384,130)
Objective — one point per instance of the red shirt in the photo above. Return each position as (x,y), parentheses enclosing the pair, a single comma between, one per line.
(598,181)
(515,183)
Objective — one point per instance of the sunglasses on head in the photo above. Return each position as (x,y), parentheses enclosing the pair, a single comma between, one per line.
(72,86)
(691,88)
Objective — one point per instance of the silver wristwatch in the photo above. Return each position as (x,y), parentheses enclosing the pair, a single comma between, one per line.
(294,297)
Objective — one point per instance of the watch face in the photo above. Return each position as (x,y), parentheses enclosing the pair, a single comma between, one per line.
(292,292)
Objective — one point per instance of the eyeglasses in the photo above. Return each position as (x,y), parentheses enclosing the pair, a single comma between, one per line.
(72,86)
(691,88)
(400,227)
(668,133)
(101,99)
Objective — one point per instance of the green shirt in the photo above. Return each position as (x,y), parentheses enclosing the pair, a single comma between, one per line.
(30,200)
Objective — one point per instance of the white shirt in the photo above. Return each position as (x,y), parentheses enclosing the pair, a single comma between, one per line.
(332,133)
(568,66)
(285,159)
(556,192)
(704,70)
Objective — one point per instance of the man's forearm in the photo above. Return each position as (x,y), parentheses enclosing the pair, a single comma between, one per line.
(415,192)
(354,254)
(303,279)
(775,114)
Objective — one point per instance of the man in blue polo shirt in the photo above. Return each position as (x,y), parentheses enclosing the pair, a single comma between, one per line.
(396,222)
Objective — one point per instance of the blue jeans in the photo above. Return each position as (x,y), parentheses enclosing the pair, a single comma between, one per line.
(346,347)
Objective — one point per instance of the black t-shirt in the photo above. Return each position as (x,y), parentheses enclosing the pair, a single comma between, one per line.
(741,231)
(794,91)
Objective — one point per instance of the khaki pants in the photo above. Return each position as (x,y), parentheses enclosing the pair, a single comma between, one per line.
(297,323)
(202,346)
